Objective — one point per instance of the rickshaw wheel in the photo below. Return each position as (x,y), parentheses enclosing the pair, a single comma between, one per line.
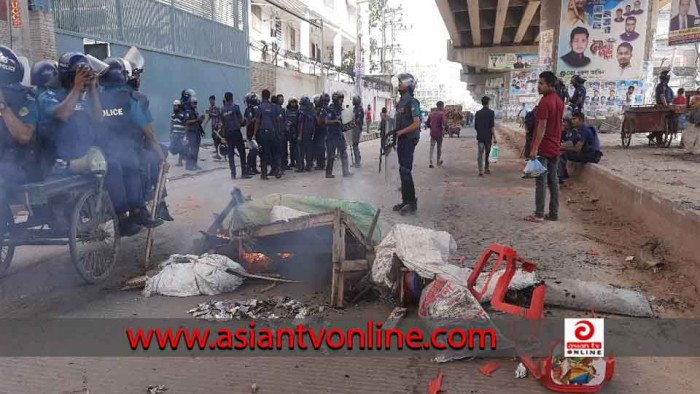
(7,252)
(626,135)
(94,236)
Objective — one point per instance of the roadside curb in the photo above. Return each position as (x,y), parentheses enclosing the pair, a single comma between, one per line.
(668,220)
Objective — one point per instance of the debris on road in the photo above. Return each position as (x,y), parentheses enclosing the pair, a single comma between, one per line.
(280,213)
(254,388)
(592,252)
(157,389)
(587,296)
(189,275)
(651,255)
(435,385)
(395,316)
(520,371)
(278,307)
(488,369)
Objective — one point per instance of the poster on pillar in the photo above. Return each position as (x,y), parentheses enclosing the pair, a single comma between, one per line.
(523,82)
(684,26)
(604,42)
(512,61)
(545,49)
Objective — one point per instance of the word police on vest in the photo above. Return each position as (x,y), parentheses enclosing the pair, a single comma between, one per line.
(4,60)
(112,112)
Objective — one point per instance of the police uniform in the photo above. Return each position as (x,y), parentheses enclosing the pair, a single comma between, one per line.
(74,136)
(280,137)
(357,132)
(252,158)
(335,141)
(320,138)
(267,114)
(579,93)
(194,137)
(289,157)
(407,108)
(307,120)
(124,119)
(17,162)
(232,121)
(215,116)
(150,158)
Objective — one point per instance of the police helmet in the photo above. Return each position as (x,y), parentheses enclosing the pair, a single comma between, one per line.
(11,70)
(356,100)
(325,99)
(577,80)
(194,100)
(317,101)
(117,74)
(69,63)
(337,96)
(407,80)
(293,103)
(45,74)
(665,76)
(187,95)
(305,101)
(176,102)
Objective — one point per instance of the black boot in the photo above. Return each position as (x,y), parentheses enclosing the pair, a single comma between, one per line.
(410,207)
(142,217)
(164,213)
(329,168)
(399,207)
(127,227)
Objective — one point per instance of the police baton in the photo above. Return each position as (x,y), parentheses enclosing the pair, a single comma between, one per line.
(154,212)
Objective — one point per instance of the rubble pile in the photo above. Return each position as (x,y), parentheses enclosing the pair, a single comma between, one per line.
(278,307)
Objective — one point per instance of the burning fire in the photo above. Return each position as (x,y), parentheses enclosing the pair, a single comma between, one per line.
(285,255)
(223,236)
(255,262)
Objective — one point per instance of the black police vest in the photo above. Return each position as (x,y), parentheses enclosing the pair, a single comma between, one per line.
(231,120)
(404,115)
(250,117)
(116,110)
(334,113)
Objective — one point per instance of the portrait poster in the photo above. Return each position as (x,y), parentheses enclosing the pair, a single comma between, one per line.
(523,82)
(546,49)
(604,42)
(684,26)
(513,61)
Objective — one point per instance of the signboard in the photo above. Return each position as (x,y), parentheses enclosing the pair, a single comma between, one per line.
(523,82)
(684,27)
(604,42)
(546,48)
(15,14)
(512,61)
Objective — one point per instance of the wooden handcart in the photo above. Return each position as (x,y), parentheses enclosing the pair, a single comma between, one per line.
(660,121)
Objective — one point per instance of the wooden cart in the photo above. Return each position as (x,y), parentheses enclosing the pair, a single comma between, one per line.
(660,120)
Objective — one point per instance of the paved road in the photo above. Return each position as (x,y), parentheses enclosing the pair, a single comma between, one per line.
(477,211)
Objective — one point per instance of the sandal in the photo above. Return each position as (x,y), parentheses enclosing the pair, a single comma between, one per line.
(534,219)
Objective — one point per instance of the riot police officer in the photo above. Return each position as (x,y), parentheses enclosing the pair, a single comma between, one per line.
(18,114)
(320,134)
(74,110)
(305,136)
(578,99)
(126,125)
(267,122)
(407,135)
(359,117)
(44,76)
(335,139)
(232,121)
(289,148)
(280,137)
(195,132)
(561,90)
(251,102)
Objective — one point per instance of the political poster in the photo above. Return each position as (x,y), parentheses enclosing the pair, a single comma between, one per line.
(604,42)
(523,82)
(513,61)
(684,26)
(545,49)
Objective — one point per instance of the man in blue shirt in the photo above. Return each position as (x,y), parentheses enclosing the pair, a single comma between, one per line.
(232,121)
(582,145)
(335,139)
(18,116)
(251,102)
(664,96)
(289,143)
(579,98)
(320,134)
(359,116)
(305,136)
(407,137)
(267,122)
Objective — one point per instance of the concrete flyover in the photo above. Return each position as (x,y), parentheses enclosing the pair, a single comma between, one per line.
(478,28)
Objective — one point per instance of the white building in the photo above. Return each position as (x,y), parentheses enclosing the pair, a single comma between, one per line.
(440,82)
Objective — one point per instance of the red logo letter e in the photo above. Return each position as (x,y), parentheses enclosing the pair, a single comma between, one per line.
(584,330)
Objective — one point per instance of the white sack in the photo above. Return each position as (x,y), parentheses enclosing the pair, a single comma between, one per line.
(280,213)
(189,275)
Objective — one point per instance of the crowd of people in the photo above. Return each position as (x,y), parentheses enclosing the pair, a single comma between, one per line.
(79,103)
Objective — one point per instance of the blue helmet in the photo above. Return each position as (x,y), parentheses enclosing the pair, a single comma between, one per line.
(45,74)
(69,63)
(293,104)
(251,100)
(317,101)
(305,102)
(11,70)
(325,99)
(117,74)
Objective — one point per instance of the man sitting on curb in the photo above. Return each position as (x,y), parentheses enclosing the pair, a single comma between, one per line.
(583,145)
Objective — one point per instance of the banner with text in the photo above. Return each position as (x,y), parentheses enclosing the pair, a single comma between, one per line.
(512,61)
(684,27)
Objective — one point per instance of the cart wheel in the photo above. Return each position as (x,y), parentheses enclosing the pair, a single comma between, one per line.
(626,134)
(6,251)
(94,236)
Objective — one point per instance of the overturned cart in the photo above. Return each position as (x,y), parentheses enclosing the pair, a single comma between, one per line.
(299,237)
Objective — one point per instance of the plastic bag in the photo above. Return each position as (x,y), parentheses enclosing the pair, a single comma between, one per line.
(534,169)
(493,156)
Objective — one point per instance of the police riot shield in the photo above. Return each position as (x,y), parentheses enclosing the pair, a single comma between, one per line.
(97,66)
(135,58)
